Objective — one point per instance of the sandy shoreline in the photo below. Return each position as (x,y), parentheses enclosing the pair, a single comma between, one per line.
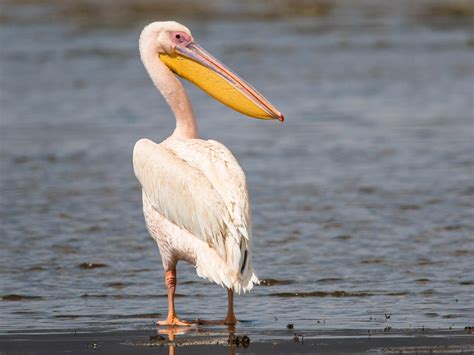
(212,341)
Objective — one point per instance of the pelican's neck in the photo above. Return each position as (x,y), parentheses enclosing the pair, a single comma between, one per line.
(173,92)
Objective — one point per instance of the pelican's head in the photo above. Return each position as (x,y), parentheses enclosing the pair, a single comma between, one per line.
(176,48)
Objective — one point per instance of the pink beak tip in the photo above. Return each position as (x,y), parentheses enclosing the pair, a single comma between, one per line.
(281,117)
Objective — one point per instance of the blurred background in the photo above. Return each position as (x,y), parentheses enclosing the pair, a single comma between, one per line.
(362,200)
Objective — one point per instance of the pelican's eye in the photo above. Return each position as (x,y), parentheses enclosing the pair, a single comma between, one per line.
(180,37)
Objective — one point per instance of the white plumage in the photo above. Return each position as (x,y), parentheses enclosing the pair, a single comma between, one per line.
(198,193)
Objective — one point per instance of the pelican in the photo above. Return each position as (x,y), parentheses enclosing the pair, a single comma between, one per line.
(194,192)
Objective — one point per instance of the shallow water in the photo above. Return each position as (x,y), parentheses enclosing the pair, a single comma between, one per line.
(362,200)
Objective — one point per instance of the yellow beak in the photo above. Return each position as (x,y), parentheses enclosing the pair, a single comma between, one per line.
(193,63)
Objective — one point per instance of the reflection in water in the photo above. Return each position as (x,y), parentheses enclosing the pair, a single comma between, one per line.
(172,333)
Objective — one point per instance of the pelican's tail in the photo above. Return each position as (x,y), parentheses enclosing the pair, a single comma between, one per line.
(246,277)
(236,273)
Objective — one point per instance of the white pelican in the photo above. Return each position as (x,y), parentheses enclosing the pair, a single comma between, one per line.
(195,198)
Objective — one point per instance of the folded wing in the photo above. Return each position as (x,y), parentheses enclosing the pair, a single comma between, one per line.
(199,186)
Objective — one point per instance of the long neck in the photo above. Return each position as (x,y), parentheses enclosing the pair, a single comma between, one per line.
(173,92)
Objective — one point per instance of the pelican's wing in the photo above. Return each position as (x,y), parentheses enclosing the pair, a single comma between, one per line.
(199,186)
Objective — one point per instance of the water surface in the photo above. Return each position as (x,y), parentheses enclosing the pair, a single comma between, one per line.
(362,200)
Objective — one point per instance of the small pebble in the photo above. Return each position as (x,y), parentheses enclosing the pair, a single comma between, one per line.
(238,340)
(297,338)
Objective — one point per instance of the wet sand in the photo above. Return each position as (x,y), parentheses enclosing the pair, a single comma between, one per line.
(214,342)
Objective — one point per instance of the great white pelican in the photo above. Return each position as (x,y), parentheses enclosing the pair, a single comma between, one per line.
(195,199)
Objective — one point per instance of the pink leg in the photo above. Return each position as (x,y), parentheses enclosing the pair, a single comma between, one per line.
(229,319)
(172,319)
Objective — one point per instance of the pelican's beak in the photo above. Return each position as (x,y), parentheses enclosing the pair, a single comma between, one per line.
(193,63)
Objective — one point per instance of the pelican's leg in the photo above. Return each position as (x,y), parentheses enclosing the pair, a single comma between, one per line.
(172,319)
(230,318)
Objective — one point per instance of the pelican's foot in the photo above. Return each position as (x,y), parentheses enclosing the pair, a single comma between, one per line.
(227,321)
(174,322)
(230,320)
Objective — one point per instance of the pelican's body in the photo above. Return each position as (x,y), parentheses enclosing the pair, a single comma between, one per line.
(218,203)
(195,199)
